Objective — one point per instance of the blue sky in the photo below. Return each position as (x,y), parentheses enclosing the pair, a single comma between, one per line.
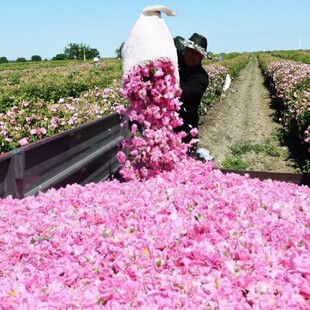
(46,27)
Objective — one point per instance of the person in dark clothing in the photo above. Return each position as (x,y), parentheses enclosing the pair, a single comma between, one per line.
(194,81)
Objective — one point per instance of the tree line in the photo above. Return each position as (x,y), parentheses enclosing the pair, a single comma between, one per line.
(76,51)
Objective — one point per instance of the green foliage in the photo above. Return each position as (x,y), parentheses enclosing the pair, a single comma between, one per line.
(21,59)
(226,56)
(3,60)
(59,57)
(298,151)
(36,58)
(74,51)
(296,55)
(34,65)
(265,148)
(265,59)
(236,64)
(233,62)
(118,51)
(80,51)
(14,79)
(91,53)
(235,163)
(270,148)
(52,83)
(306,166)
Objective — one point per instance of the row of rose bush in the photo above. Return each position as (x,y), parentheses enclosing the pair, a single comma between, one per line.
(191,238)
(218,71)
(234,65)
(45,64)
(290,81)
(54,83)
(296,55)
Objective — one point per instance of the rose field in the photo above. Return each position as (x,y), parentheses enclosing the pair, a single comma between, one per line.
(171,232)
(41,102)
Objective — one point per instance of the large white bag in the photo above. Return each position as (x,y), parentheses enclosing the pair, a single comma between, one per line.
(149,39)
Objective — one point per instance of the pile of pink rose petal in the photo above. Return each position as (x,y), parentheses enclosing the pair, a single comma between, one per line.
(190,238)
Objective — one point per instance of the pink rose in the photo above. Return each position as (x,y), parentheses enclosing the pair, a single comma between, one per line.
(23,141)
(194,132)
(121,157)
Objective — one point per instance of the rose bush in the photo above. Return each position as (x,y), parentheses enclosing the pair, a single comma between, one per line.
(217,75)
(291,82)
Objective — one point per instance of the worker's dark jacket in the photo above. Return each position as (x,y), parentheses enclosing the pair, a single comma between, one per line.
(194,82)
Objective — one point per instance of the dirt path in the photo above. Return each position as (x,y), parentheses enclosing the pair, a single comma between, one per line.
(244,116)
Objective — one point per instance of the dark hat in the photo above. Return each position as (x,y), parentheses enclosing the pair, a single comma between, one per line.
(198,43)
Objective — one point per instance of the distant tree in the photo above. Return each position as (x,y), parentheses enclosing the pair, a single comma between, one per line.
(91,53)
(36,58)
(21,59)
(118,51)
(3,60)
(59,57)
(73,51)
(80,51)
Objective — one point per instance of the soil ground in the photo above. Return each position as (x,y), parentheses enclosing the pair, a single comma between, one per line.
(244,115)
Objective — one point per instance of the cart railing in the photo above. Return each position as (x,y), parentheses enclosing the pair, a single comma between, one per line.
(81,155)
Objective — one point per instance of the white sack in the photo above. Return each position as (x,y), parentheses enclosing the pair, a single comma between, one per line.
(149,39)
